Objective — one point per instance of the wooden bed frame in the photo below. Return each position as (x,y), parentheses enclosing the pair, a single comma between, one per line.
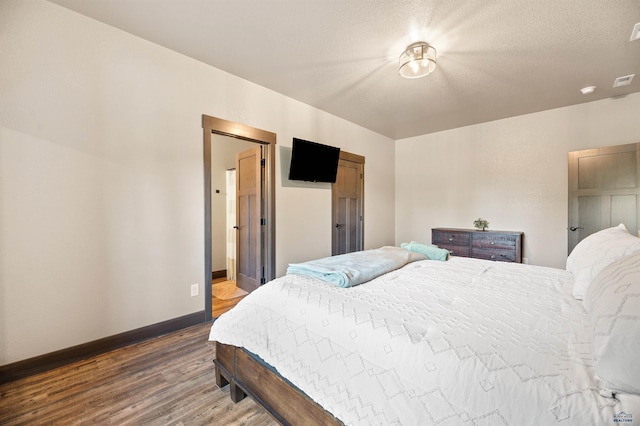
(247,376)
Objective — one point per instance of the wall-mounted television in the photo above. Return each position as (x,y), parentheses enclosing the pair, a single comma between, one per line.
(313,162)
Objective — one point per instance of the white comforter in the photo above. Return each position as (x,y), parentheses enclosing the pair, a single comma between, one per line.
(462,342)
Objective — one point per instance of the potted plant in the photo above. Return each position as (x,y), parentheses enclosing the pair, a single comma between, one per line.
(481,224)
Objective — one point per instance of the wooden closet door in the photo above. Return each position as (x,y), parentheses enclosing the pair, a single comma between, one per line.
(248,215)
(347,205)
(603,190)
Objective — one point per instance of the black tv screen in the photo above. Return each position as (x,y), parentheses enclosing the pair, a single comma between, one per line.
(313,162)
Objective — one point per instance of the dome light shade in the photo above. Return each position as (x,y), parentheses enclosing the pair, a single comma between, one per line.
(418,60)
(588,90)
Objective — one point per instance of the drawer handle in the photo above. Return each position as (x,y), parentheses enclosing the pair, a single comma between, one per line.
(450,238)
(492,242)
(493,256)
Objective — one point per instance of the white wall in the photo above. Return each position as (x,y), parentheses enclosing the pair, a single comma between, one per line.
(512,172)
(306,226)
(101,178)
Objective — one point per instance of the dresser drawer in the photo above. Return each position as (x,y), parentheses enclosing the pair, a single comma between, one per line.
(454,250)
(494,254)
(494,241)
(442,238)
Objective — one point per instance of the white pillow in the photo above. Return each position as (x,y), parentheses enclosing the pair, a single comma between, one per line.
(595,252)
(613,305)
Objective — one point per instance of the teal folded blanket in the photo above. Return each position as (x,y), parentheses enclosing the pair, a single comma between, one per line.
(429,250)
(351,269)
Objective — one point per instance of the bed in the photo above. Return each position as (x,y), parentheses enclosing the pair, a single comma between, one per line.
(457,342)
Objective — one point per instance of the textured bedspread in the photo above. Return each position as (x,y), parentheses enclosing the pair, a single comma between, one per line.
(463,342)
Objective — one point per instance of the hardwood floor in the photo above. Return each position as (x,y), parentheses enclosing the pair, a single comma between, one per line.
(220,306)
(168,380)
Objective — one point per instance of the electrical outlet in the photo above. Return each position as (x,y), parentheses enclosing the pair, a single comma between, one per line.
(525,260)
(194,289)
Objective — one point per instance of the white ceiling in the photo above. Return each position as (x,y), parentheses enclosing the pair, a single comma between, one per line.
(496,59)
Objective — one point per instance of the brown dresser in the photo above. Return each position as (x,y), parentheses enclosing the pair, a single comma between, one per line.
(503,246)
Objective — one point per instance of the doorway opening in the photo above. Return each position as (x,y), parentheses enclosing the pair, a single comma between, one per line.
(233,234)
(227,253)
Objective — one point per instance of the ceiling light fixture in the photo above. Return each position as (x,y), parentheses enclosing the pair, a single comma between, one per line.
(418,60)
(587,90)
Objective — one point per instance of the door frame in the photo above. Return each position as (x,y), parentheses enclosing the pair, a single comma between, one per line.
(268,140)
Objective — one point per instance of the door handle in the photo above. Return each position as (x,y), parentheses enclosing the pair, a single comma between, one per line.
(339,225)
(575,228)
(236,227)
